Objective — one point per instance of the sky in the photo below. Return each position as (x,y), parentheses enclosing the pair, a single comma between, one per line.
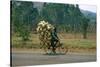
(91,8)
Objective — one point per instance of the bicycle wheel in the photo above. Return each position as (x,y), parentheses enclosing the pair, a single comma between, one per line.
(62,50)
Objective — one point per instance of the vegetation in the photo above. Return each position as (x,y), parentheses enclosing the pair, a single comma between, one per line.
(68,18)
(68,40)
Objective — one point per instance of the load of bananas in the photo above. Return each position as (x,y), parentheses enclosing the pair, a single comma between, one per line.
(44,30)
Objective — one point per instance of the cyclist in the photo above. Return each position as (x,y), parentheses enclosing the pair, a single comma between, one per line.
(54,39)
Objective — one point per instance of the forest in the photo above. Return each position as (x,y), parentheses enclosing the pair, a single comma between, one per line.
(68,18)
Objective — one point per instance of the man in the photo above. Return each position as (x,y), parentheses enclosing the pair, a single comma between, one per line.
(54,39)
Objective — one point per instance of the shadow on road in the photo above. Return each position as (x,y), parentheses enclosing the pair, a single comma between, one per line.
(53,54)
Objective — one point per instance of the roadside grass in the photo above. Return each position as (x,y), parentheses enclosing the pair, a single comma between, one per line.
(79,43)
(68,40)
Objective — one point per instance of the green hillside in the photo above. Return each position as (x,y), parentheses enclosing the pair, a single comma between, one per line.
(68,18)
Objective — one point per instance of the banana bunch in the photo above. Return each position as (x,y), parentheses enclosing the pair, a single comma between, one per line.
(44,26)
(44,30)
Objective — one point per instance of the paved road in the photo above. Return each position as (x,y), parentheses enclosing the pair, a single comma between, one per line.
(27,59)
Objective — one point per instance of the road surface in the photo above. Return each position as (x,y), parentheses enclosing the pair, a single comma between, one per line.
(28,59)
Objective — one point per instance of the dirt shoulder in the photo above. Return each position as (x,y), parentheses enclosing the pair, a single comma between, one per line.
(41,51)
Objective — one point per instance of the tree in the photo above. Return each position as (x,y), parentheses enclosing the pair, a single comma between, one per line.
(23,16)
(85,27)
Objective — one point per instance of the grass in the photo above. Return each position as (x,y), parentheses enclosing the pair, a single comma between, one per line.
(68,40)
(79,43)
